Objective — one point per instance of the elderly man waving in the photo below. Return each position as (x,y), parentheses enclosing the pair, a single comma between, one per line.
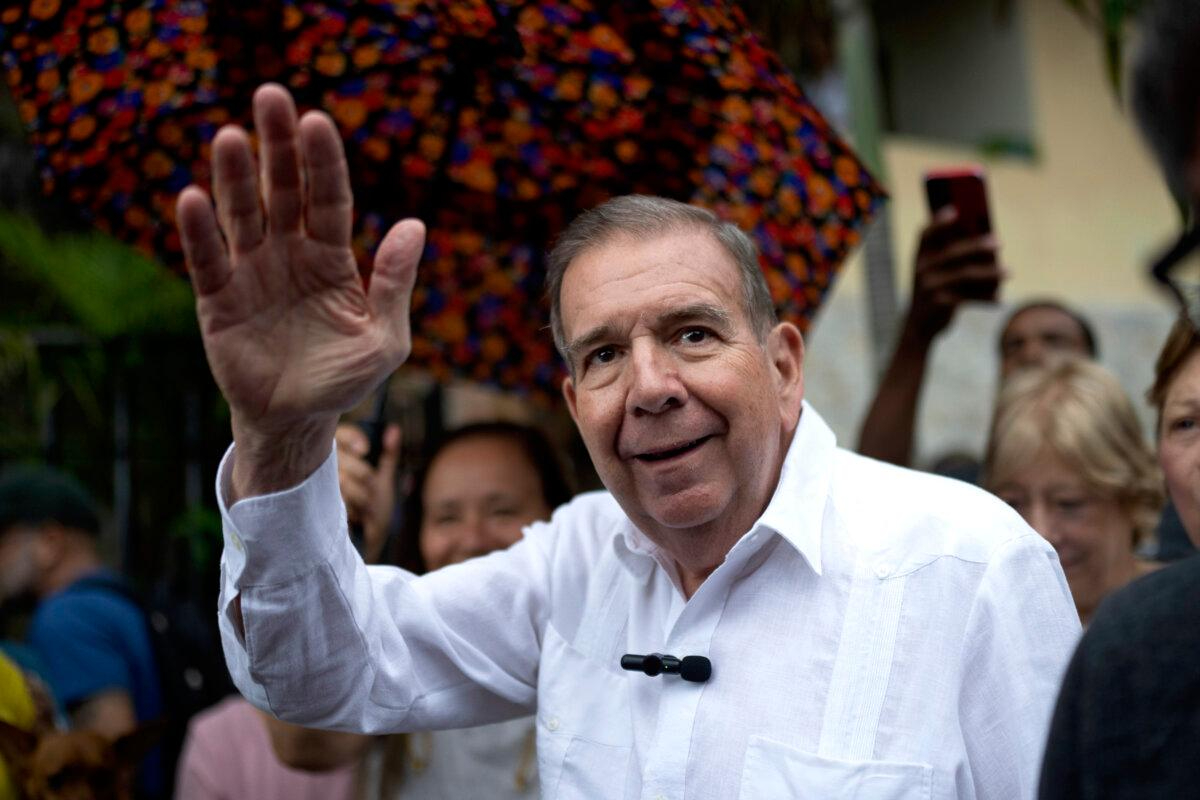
(845,628)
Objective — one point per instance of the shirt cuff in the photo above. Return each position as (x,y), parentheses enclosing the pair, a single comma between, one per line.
(277,537)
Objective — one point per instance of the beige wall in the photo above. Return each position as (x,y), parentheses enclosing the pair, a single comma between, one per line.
(1081,219)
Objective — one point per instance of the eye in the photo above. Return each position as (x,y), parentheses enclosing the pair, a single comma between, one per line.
(694,336)
(1016,502)
(1070,505)
(600,356)
(1183,424)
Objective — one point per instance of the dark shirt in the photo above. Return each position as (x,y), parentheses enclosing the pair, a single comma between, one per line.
(1127,723)
(1173,541)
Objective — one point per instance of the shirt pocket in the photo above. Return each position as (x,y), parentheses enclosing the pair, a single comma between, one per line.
(585,727)
(772,769)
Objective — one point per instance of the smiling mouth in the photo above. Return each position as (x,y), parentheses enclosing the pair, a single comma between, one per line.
(663,455)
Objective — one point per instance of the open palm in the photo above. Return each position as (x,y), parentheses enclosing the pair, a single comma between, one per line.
(290,331)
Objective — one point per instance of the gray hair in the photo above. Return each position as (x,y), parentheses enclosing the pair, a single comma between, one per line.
(645,217)
(1165,87)
(1077,411)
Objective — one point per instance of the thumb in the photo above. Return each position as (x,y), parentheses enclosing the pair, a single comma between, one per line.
(394,273)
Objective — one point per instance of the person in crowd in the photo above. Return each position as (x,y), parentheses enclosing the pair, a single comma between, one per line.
(481,485)
(734,534)
(227,754)
(1127,722)
(949,271)
(18,707)
(369,492)
(1066,450)
(93,641)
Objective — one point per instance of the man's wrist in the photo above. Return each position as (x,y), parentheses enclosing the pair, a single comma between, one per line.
(272,460)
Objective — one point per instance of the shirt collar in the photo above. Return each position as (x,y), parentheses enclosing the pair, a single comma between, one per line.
(796,510)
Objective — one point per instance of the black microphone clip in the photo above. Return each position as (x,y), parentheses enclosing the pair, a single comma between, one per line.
(696,669)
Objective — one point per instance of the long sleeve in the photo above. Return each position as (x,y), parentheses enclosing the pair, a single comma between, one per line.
(325,641)
(1020,635)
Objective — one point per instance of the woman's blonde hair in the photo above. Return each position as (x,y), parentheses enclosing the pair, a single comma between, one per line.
(1077,410)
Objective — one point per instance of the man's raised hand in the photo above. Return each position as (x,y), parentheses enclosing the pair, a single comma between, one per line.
(292,337)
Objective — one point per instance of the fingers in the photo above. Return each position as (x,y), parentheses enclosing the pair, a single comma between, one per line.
(971,282)
(976,250)
(330,204)
(943,240)
(203,248)
(354,482)
(351,438)
(357,498)
(275,122)
(235,187)
(389,458)
(939,228)
(353,467)
(394,272)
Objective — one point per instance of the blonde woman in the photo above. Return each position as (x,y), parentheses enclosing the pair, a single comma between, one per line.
(1066,450)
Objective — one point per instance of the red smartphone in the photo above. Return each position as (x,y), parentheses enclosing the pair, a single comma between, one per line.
(966,190)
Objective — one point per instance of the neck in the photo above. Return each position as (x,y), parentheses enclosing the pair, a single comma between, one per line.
(1129,569)
(697,551)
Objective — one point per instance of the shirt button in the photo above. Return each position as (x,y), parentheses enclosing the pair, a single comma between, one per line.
(237,543)
(660,797)
(881,572)
(552,724)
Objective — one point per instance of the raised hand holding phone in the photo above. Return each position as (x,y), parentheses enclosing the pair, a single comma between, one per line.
(956,259)
(292,335)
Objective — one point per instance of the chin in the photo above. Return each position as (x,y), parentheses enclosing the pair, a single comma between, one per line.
(686,509)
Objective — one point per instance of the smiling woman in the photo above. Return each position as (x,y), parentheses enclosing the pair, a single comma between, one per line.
(1176,395)
(1066,451)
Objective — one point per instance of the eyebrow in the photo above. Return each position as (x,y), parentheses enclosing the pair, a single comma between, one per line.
(1186,403)
(712,315)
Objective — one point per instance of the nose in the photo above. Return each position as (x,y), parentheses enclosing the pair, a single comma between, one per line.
(475,537)
(1033,353)
(655,383)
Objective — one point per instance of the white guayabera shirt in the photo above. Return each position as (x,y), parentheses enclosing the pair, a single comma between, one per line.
(878,634)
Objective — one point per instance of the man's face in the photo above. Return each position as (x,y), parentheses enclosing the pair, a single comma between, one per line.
(684,411)
(1038,335)
(18,562)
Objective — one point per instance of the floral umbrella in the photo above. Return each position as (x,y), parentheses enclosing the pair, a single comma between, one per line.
(496,122)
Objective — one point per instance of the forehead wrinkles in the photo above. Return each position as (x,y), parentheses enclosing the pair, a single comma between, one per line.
(654,275)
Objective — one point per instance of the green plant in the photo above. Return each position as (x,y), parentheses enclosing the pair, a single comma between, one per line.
(107,288)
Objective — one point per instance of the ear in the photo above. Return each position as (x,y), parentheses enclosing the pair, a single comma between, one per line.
(785,348)
(568,390)
(132,747)
(16,745)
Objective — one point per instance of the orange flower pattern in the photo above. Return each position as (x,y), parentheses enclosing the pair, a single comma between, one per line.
(494,120)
